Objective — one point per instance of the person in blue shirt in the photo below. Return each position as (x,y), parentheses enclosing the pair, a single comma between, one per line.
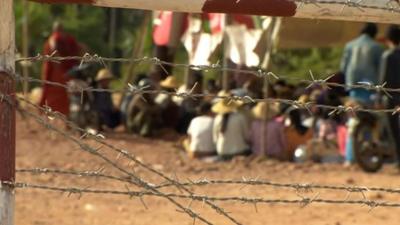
(360,62)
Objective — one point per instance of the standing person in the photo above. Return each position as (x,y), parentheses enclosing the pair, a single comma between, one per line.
(230,130)
(390,73)
(200,134)
(360,62)
(62,44)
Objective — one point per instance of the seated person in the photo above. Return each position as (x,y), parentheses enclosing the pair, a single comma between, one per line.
(168,108)
(230,130)
(187,106)
(200,140)
(266,126)
(109,116)
(142,112)
(296,133)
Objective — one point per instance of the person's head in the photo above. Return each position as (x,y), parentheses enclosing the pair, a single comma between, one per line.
(169,84)
(57,26)
(212,86)
(393,35)
(145,84)
(295,120)
(140,77)
(104,77)
(225,108)
(265,112)
(370,29)
(204,108)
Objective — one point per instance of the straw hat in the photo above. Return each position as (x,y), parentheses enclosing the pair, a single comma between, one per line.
(104,74)
(351,102)
(259,111)
(169,82)
(36,95)
(303,98)
(225,106)
(223,93)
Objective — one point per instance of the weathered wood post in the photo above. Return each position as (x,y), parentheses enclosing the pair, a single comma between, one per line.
(7,112)
(382,11)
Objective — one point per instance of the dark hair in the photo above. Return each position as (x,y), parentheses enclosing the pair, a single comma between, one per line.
(295,119)
(370,29)
(204,108)
(139,77)
(393,34)
(225,120)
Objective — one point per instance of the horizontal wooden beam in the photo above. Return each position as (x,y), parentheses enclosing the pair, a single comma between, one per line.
(380,11)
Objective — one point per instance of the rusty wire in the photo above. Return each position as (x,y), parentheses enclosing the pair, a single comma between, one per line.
(392,6)
(171,182)
(87,58)
(299,187)
(303,201)
(338,109)
(150,189)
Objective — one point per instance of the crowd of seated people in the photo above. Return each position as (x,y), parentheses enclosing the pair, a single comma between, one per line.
(214,125)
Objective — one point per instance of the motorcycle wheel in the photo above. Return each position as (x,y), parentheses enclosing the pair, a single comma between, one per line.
(367,153)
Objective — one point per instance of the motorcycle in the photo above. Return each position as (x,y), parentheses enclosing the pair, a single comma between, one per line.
(373,142)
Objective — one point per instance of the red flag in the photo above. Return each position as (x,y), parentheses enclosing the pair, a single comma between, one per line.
(169,28)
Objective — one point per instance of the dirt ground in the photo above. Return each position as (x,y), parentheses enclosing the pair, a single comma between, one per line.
(37,147)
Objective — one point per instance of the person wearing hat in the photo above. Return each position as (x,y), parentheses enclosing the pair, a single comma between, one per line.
(230,130)
(266,126)
(169,110)
(109,116)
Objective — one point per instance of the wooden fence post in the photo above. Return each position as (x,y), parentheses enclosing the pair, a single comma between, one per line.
(380,11)
(7,112)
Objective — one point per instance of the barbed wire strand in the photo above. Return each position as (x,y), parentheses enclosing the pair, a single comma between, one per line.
(98,138)
(246,99)
(255,72)
(87,148)
(391,6)
(304,201)
(297,187)
(300,187)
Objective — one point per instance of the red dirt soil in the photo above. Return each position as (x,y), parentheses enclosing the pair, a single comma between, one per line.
(39,148)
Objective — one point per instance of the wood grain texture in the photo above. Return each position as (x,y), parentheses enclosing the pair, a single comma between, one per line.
(65,1)
(339,11)
(254,7)
(7,130)
(7,112)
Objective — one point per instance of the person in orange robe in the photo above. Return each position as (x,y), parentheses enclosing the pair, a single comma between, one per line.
(60,44)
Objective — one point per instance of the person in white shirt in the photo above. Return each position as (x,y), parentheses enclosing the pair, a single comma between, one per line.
(230,130)
(200,141)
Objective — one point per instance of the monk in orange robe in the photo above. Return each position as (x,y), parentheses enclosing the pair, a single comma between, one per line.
(64,45)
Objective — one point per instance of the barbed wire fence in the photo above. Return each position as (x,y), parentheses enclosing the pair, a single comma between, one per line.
(171,188)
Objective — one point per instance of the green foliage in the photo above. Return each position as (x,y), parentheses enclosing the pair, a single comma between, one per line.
(298,62)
